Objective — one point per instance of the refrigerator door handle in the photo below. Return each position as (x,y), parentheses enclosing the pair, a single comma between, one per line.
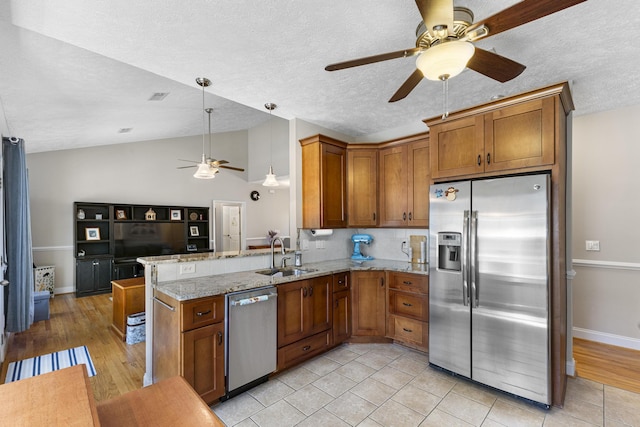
(465,259)
(473,257)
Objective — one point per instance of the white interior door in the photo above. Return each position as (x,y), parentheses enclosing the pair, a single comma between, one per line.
(3,337)
(231,228)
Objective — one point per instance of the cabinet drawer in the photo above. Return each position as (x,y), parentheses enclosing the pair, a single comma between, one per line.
(341,282)
(415,306)
(202,312)
(304,349)
(409,331)
(409,282)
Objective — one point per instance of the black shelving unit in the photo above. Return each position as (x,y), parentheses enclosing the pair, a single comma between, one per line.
(98,260)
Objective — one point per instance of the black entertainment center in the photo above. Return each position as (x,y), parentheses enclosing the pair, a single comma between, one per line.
(109,237)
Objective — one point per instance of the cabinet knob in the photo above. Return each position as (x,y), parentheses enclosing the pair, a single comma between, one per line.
(306,348)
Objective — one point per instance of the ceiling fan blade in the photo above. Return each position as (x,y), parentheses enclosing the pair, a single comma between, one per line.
(232,168)
(494,66)
(407,86)
(218,162)
(372,59)
(186,167)
(521,13)
(436,12)
(190,161)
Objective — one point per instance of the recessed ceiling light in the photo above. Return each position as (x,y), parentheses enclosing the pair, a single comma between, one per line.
(125,130)
(158,96)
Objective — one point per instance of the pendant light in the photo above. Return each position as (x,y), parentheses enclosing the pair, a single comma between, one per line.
(270,180)
(204,169)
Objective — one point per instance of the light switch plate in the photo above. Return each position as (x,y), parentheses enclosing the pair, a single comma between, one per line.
(593,245)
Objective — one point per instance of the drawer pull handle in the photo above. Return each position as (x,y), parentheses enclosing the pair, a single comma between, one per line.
(408,282)
(407,330)
(479,160)
(406,304)
(202,313)
(304,292)
(219,338)
(306,348)
(310,290)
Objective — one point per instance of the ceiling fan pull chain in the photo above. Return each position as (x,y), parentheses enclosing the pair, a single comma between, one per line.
(445,97)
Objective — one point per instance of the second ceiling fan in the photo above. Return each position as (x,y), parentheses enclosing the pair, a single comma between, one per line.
(445,42)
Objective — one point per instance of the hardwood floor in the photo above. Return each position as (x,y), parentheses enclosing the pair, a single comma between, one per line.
(607,364)
(84,321)
(87,321)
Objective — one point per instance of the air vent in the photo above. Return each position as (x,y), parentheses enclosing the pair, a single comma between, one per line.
(158,96)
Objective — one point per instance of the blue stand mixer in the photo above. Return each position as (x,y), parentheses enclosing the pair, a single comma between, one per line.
(357,239)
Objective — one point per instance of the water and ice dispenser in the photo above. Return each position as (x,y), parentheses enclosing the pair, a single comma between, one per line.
(449,248)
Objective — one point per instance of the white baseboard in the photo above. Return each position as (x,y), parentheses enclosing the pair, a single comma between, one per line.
(606,338)
(64,290)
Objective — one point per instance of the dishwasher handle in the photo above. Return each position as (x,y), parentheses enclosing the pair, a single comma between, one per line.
(252,300)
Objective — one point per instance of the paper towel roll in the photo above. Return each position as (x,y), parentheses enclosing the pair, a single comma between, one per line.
(323,232)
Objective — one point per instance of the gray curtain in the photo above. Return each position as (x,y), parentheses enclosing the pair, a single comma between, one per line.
(18,236)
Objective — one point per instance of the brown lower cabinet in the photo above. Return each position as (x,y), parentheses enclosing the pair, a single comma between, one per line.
(368,291)
(188,340)
(341,308)
(408,316)
(305,319)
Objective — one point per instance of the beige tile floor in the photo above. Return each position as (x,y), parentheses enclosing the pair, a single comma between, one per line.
(389,385)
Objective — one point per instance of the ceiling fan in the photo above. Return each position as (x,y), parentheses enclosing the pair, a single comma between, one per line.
(207,166)
(445,42)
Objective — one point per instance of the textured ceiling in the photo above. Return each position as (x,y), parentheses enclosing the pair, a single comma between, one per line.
(74,72)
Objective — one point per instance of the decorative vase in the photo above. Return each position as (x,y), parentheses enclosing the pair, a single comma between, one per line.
(80,214)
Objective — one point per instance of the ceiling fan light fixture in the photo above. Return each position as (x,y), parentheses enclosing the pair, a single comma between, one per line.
(204,171)
(445,60)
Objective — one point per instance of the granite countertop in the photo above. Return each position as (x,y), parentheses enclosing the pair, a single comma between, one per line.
(204,256)
(206,286)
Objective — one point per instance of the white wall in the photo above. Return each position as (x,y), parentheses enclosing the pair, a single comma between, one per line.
(605,206)
(145,173)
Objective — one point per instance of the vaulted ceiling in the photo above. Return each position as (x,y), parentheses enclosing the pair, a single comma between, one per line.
(75,73)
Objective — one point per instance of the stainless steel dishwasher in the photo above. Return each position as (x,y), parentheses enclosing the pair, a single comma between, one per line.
(251,338)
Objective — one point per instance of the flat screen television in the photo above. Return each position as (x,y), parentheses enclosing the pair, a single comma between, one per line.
(140,239)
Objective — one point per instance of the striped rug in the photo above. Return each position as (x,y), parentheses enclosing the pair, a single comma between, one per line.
(50,362)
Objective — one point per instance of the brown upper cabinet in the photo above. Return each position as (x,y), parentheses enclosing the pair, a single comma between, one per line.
(404,178)
(507,135)
(362,167)
(324,182)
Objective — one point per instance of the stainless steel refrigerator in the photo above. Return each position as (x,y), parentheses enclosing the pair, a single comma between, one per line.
(489,282)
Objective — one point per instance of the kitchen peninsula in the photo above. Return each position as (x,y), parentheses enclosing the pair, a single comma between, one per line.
(195,305)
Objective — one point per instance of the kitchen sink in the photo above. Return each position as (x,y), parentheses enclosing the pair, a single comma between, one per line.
(286,271)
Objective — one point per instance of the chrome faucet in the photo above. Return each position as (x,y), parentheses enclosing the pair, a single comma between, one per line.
(273,251)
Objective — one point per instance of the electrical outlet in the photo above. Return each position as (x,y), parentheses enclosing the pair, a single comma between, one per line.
(593,245)
(305,245)
(319,244)
(187,268)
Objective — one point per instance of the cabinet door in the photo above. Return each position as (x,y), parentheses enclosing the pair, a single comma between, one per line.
(341,316)
(368,290)
(84,277)
(203,360)
(334,188)
(393,187)
(520,136)
(291,312)
(103,270)
(457,147)
(419,177)
(362,167)
(319,305)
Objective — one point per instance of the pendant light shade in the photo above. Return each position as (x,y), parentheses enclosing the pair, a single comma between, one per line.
(270,180)
(204,169)
(445,60)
